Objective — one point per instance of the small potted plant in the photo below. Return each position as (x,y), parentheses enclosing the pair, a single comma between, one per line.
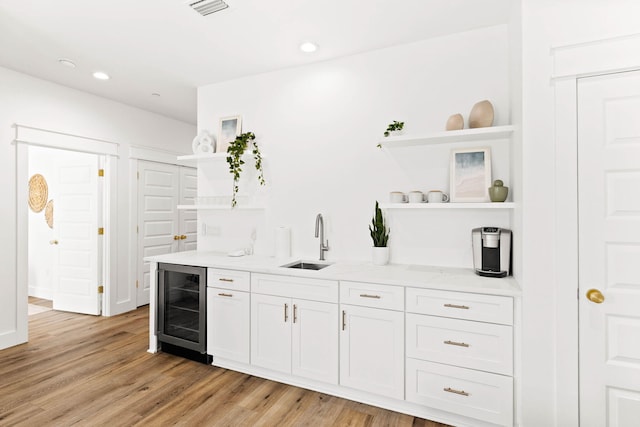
(234,158)
(380,237)
(394,128)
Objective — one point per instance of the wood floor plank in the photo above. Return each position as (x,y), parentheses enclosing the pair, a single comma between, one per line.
(95,371)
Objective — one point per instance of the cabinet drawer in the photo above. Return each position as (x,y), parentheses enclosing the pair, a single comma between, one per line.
(474,394)
(461,305)
(295,287)
(372,295)
(475,345)
(228,279)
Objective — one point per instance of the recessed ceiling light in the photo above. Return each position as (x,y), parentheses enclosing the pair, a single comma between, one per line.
(101,76)
(308,47)
(67,62)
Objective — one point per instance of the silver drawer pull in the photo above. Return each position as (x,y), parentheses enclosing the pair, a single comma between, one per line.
(225,295)
(370,296)
(222,279)
(453,390)
(459,344)
(462,307)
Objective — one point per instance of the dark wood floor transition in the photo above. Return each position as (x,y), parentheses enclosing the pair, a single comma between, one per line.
(86,370)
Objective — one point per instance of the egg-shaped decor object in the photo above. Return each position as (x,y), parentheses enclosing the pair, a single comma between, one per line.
(481,115)
(455,122)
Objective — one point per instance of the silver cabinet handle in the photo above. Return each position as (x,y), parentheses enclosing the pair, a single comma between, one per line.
(295,313)
(462,307)
(453,390)
(286,312)
(344,320)
(222,279)
(225,295)
(370,296)
(459,344)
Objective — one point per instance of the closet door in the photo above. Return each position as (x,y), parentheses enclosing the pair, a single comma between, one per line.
(188,219)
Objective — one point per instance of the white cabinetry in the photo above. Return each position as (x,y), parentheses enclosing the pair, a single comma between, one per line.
(228,324)
(291,334)
(228,314)
(372,339)
(460,353)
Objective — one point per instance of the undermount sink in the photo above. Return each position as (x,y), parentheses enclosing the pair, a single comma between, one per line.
(304,265)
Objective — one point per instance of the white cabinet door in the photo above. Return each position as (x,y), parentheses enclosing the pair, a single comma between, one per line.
(271,332)
(372,350)
(228,324)
(315,340)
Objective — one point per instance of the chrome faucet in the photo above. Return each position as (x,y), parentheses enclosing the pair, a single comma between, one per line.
(320,232)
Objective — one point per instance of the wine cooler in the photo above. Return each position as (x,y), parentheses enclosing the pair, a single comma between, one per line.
(182,310)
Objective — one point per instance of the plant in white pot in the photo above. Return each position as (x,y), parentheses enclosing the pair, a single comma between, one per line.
(380,237)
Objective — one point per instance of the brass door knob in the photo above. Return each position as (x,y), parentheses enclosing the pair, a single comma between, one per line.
(176,237)
(183,237)
(595,296)
(53,242)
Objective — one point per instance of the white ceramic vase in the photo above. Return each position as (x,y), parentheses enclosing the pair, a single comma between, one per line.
(380,256)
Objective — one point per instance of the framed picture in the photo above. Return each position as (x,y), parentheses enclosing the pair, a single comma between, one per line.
(230,127)
(470,174)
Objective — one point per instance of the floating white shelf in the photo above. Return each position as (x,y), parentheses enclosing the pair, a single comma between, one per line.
(507,205)
(452,136)
(219,207)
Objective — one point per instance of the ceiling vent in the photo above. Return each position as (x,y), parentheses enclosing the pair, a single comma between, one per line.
(207,7)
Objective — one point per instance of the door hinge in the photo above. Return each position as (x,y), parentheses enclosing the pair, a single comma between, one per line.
(100,231)
(137,229)
(100,172)
(137,286)
(137,175)
(101,289)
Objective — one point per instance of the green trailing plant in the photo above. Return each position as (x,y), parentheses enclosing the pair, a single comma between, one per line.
(396,125)
(378,229)
(234,158)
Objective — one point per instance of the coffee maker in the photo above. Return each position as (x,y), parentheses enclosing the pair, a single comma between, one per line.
(491,251)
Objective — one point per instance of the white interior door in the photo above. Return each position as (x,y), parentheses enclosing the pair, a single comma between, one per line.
(609,249)
(77,216)
(188,218)
(158,227)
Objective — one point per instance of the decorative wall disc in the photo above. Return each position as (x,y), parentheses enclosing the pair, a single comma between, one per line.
(38,192)
(48,213)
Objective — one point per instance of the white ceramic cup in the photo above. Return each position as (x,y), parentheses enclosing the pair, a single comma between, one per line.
(416,197)
(437,196)
(397,197)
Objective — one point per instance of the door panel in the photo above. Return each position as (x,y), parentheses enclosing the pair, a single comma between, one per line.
(315,340)
(609,248)
(78,264)
(157,217)
(271,332)
(188,218)
(162,228)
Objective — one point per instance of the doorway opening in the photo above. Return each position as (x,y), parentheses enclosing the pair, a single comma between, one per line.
(65,247)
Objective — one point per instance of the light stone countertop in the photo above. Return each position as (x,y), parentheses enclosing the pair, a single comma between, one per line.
(419,276)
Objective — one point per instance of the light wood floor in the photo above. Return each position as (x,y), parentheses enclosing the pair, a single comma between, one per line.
(86,370)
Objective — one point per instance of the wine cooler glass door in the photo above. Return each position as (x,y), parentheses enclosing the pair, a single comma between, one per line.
(181,297)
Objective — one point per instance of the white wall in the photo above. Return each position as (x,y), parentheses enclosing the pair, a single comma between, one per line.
(318,127)
(548,400)
(34,102)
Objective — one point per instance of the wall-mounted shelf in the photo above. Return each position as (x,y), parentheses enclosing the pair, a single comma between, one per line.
(507,205)
(194,159)
(219,207)
(452,136)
